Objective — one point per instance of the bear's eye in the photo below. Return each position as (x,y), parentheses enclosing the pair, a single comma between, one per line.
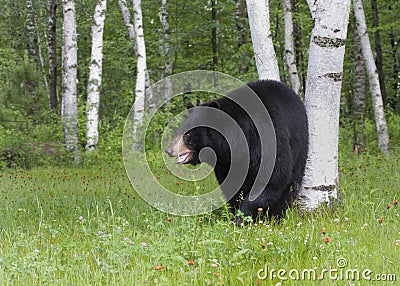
(186,135)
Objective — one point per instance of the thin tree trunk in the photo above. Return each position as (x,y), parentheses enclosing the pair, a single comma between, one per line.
(69,97)
(40,56)
(52,34)
(214,43)
(395,51)
(396,69)
(95,76)
(267,64)
(141,73)
(131,32)
(241,18)
(241,22)
(126,15)
(380,120)
(358,96)
(31,31)
(164,19)
(165,49)
(26,92)
(300,51)
(177,43)
(290,53)
(378,49)
(322,101)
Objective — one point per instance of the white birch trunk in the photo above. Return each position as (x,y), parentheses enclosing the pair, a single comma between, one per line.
(322,100)
(40,55)
(164,47)
(141,71)
(267,64)
(95,76)
(126,15)
(398,83)
(31,30)
(373,76)
(52,47)
(241,23)
(69,96)
(290,54)
(359,93)
(165,37)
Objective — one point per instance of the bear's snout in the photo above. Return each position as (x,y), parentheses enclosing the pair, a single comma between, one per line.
(173,148)
(178,149)
(169,151)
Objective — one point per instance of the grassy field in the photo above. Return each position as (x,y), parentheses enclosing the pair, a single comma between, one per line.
(87,226)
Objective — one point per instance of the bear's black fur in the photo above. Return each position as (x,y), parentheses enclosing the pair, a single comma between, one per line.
(289,119)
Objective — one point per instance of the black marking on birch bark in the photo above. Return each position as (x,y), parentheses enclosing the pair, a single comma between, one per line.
(325,42)
(335,76)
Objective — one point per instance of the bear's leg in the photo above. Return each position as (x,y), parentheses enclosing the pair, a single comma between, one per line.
(273,201)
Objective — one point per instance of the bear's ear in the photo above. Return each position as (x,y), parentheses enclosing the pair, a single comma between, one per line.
(214,104)
(189,105)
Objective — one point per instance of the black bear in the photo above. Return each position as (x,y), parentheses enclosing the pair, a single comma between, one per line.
(205,128)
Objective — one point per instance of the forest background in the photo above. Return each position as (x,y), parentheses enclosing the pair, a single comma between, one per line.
(211,35)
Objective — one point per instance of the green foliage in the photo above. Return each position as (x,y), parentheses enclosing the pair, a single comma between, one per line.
(346,133)
(23,98)
(8,62)
(41,147)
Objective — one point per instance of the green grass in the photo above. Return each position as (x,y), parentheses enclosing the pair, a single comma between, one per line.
(87,226)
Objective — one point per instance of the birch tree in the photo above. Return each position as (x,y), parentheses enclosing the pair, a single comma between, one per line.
(214,40)
(164,19)
(69,109)
(95,76)
(241,22)
(126,15)
(358,96)
(378,48)
(290,54)
(141,70)
(322,101)
(34,40)
(40,55)
(31,29)
(373,77)
(165,48)
(52,43)
(267,64)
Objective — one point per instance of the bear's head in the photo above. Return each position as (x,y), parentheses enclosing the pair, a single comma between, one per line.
(194,135)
